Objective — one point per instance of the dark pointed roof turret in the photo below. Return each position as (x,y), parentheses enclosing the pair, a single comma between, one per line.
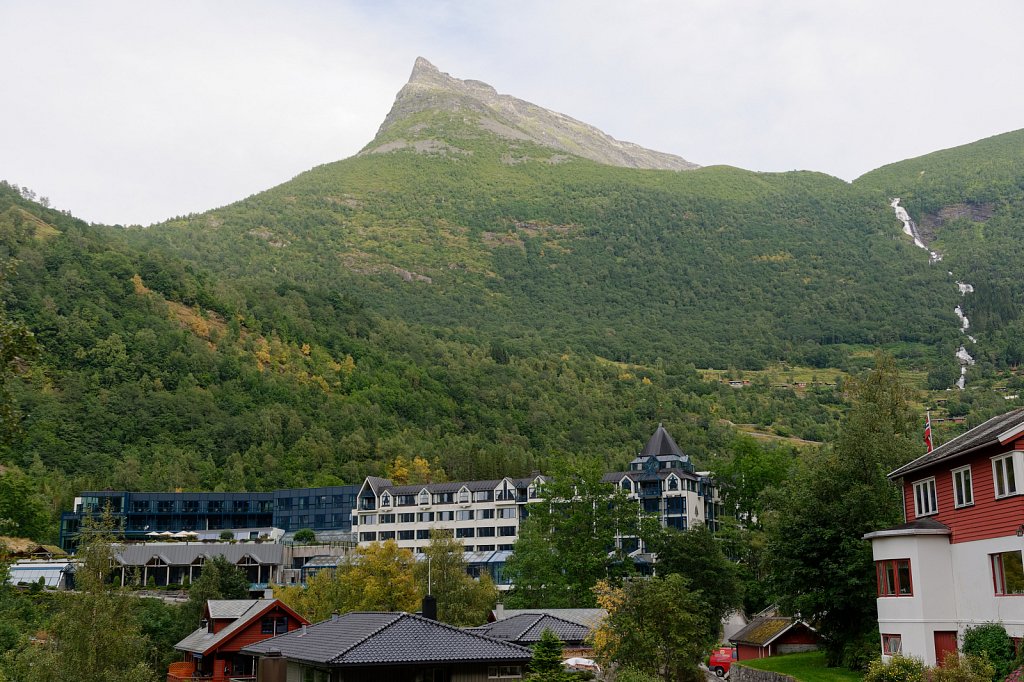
(661,443)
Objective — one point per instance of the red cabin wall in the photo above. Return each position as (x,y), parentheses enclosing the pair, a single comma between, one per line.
(988,517)
(798,635)
(252,634)
(746,652)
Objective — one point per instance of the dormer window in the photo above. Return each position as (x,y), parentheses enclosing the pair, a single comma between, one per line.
(464,496)
(424,497)
(627,485)
(673,483)
(385,500)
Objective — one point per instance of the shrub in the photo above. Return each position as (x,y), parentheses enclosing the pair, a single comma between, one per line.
(227,535)
(991,641)
(966,668)
(860,652)
(305,536)
(899,669)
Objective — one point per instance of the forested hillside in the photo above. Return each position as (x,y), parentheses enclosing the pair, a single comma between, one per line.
(494,305)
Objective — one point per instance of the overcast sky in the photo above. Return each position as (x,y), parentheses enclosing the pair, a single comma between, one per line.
(133,112)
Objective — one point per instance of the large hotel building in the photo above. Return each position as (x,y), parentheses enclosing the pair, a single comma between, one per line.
(484,515)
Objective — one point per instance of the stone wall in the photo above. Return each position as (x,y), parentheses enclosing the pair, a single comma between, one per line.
(739,673)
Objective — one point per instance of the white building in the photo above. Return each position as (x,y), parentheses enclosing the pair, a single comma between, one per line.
(483,515)
(957,561)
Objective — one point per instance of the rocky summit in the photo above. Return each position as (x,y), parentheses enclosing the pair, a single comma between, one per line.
(430,89)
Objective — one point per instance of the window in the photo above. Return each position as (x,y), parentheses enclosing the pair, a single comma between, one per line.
(464,515)
(486,513)
(894,578)
(486,532)
(387,518)
(368,519)
(464,496)
(483,496)
(465,532)
(506,531)
(385,500)
(673,483)
(963,491)
(406,534)
(386,535)
(445,516)
(426,517)
(1008,572)
(925,502)
(507,513)
(892,645)
(504,671)
(485,548)
(267,626)
(424,497)
(1005,475)
(405,500)
(423,534)
(444,498)
(406,518)
(281,625)
(367,537)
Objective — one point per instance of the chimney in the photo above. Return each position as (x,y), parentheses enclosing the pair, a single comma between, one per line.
(268,593)
(499,611)
(273,667)
(430,607)
(303,630)
(334,616)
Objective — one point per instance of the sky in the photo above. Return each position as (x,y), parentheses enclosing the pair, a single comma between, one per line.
(128,112)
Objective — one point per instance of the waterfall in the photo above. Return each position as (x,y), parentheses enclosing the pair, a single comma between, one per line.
(963,358)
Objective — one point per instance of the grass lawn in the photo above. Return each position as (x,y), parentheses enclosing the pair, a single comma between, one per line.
(807,667)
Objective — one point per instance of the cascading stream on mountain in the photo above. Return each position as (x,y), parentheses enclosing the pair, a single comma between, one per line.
(910,228)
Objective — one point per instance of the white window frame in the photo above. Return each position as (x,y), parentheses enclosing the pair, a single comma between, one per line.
(922,498)
(1009,465)
(888,639)
(963,487)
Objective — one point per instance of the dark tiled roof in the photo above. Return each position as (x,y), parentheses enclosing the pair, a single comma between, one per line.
(761,631)
(375,638)
(526,628)
(918,527)
(451,486)
(589,617)
(661,443)
(979,436)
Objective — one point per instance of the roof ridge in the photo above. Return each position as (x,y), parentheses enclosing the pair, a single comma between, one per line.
(467,632)
(382,628)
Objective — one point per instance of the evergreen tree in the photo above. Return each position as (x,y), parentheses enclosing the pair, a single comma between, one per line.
(821,567)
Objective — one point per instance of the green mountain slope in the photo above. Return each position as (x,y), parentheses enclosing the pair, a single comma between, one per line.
(715,267)
(969,203)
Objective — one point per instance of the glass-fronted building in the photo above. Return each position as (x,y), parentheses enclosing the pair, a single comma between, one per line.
(140,514)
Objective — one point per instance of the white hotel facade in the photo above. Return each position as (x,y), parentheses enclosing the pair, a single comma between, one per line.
(485,515)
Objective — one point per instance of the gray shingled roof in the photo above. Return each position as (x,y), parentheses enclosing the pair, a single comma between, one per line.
(375,638)
(181,554)
(229,608)
(980,436)
(661,443)
(380,485)
(526,628)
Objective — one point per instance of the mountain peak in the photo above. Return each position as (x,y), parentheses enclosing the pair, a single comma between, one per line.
(430,89)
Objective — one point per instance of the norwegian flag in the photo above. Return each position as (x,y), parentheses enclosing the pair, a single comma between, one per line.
(928,432)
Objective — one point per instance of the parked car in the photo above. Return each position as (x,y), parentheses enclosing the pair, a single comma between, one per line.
(721,660)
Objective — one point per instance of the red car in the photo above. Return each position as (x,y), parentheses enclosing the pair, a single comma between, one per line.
(720,660)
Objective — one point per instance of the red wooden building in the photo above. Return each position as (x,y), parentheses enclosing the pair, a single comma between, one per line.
(958,561)
(228,625)
(772,636)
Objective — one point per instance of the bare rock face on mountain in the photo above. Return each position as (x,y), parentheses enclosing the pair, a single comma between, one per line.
(429,89)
